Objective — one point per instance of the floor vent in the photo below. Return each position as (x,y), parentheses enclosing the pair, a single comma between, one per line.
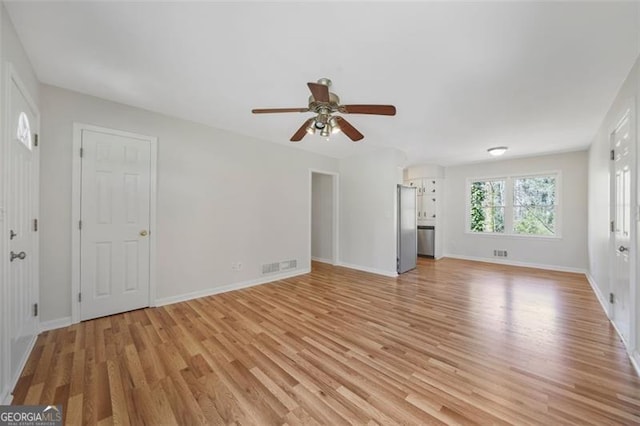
(500,253)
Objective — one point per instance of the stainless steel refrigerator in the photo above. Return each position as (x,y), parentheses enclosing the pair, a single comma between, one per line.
(407,229)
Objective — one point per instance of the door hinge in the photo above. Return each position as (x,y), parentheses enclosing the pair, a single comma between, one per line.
(35,139)
(35,225)
(613,227)
(79,297)
(80,224)
(613,154)
(81,152)
(35,309)
(611,299)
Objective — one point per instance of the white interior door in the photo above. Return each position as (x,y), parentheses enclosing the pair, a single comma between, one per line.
(21,212)
(115,218)
(621,140)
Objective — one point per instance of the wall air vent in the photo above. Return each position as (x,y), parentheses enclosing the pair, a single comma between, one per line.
(288,264)
(500,253)
(285,265)
(270,268)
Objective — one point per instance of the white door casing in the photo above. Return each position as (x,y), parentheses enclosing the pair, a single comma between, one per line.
(116,214)
(22,211)
(622,140)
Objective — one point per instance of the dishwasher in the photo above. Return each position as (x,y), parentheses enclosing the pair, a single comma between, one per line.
(426,241)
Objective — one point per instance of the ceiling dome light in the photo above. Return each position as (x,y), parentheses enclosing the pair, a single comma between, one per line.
(497,151)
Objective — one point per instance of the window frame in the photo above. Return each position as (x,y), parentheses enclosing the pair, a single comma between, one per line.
(509,208)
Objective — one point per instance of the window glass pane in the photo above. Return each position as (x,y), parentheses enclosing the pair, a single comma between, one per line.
(534,220)
(494,219)
(534,201)
(487,206)
(23,133)
(534,191)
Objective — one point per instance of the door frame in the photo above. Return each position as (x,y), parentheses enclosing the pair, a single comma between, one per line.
(76,205)
(12,75)
(627,109)
(335,178)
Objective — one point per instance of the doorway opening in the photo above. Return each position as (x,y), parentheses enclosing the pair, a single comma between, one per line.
(324,217)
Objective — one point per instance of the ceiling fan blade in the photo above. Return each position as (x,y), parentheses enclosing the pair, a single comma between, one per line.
(349,130)
(319,91)
(302,131)
(270,110)
(369,109)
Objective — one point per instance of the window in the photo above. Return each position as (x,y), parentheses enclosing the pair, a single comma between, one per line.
(23,133)
(487,206)
(534,205)
(514,205)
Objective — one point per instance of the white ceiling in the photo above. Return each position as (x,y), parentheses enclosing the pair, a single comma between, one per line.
(537,77)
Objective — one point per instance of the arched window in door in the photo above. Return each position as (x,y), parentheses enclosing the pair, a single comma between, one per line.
(24,130)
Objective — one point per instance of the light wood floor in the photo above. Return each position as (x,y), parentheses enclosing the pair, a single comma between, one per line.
(451,342)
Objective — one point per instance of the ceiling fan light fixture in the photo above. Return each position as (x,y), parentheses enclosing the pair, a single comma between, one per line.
(497,150)
(311,129)
(335,127)
(324,104)
(321,121)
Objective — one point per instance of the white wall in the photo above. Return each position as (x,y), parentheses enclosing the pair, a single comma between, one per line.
(567,252)
(423,171)
(222,198)
(599,205)
(11,51)
(368,210)
(322,217)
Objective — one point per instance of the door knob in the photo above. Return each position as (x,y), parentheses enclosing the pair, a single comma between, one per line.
(15,256)
(623,249)
(143,233)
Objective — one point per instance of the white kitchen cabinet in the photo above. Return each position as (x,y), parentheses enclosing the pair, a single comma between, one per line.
(427,193)
(429,179)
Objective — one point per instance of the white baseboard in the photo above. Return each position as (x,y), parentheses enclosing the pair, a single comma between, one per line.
(235,286)
(392,274)
(56,323)
(322,260)
(5,399)
(601,298)
(8,397)
(517,263)
(634,356)
(635,361)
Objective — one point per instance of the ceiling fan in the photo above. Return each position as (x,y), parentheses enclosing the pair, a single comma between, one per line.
(325,104)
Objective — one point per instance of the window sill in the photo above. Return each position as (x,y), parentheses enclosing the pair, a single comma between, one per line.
(514,236)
